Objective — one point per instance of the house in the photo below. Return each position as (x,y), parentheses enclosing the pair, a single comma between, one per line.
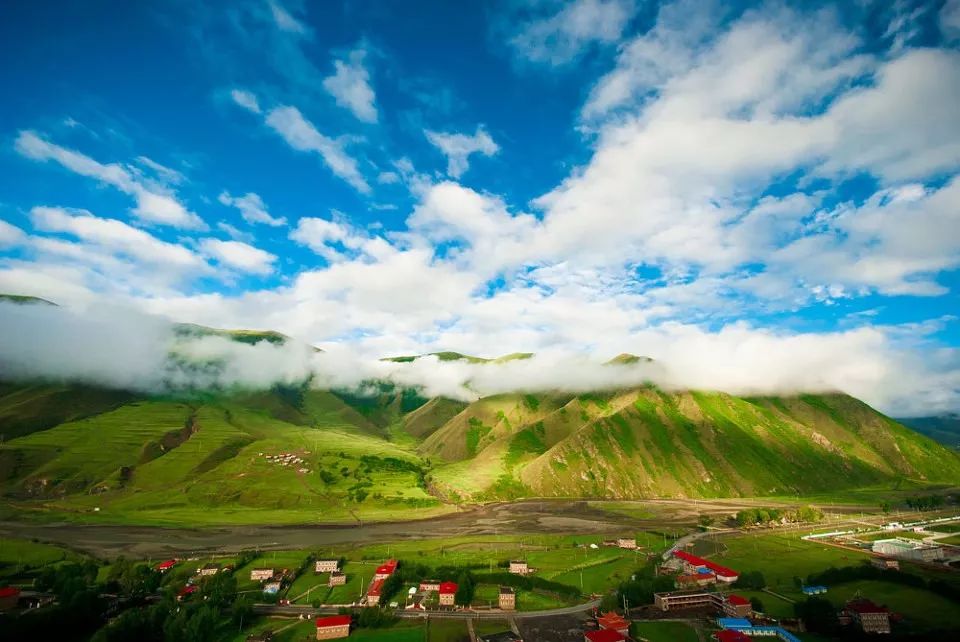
(430,585)
(735,623)
(518,567)
(814,590)
(373,593)
(209,569)
(737,606)
(868,616)
(261,574)
(163,567)
(508,598)
(627,542)
(679,600)
(385,570)
(731,635)
(448,592)
(694,564)
(885,563)
(604,635)
(333,627)
(614,622)
(326,566)
(336,579)
(186,592)
(695,580)
(9,595)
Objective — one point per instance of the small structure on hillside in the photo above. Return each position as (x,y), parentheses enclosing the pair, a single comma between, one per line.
(814,590)
(614,622)
(333,627)
(627,542)
(326,566)
(373,593)
(519,567)
(336,579)
(604,635)
(737,606)
(208,569)
(186,592)
(430,585)
(508,598)
(261,574)
(448,592)
(9,596)
(165,566)
(870,617)
(385,570)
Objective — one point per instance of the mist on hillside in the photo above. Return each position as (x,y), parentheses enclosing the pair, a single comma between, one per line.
(119,348)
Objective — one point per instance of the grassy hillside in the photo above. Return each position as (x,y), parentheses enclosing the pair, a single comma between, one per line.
(97,455)
(645,442)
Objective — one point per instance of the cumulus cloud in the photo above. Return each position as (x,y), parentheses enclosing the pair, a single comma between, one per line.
(350,86)
(154,204)
(238,255)
(458,147)
(252,208)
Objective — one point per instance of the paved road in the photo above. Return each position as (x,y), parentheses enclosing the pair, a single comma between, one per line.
(296,610)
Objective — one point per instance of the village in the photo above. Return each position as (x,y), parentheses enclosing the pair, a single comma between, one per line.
(707,583)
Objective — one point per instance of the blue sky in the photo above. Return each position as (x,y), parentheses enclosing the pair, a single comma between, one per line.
(768,185)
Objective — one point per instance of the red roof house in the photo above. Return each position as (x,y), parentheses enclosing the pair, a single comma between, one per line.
(189,589)
(166,566)
(448,592)
(386,569)
(332,627)
(9,595)
(614,621)
(729,635)
(723,573)
(604,635)
(738,600)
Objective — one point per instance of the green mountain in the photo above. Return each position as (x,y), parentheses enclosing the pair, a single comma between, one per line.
(295,454)
(116,456)
(942,428)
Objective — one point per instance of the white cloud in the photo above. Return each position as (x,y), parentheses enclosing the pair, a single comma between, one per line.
(234,233)
(238,255)
(115,236)
(10,235)
(300,134)
(285,20)
(153,203)
(246,99)
(252,208)
(458,147)
(350,86)
(569,29)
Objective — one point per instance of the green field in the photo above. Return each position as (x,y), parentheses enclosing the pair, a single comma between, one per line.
(23,558)
(663,632)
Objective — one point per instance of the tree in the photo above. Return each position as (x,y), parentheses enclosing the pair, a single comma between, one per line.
(465,589)
(817,613)
(756,604)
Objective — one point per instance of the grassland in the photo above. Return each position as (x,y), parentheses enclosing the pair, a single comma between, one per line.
(921,609)
(663,632)
(23,558)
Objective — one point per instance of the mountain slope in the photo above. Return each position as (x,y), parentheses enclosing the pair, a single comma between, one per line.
(942,428)
(644,443)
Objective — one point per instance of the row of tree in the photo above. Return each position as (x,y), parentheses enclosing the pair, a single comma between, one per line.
(764,516)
